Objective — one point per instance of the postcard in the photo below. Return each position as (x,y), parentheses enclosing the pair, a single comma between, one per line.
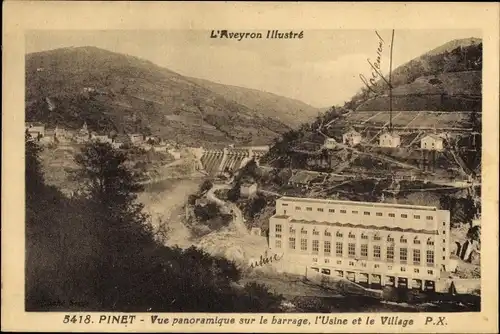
(250,167)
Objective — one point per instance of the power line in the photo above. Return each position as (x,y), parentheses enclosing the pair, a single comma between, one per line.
(390,83)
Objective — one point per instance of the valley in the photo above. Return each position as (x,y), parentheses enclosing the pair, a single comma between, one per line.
(215,161)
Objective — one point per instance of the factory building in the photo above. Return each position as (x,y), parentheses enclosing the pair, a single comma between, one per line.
(373,244)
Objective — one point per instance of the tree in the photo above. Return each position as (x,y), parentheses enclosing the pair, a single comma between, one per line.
(474,233)
(469,209)
(115,217)
(205,186)
(255,206)
(33,171)
(97,252)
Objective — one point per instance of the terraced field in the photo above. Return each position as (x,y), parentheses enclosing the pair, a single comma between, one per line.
(407,119)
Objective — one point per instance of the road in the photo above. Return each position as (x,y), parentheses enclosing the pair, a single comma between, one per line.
(268,192)
(238,222)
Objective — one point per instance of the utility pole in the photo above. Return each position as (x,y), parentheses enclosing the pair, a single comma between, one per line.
(390,84)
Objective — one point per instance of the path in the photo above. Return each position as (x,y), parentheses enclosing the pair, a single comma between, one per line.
(268,192)
(238,222)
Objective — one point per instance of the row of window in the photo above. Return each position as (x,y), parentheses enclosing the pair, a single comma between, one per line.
(338,234)
(365,213)
(375,266)
(351,251)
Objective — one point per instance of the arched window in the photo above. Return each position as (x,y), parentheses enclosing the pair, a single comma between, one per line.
(339,234)
(416,241)
(430,242)
(403,240)
(376,237)
(364,236)
(352,235)
(390,238)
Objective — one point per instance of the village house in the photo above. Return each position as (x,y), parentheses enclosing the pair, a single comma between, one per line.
(389,139)
(48,138)
(330,143)
(61,135)
(306,178)
(136,138)
(432,142)
(120,140)
(35,130)
(248,189)
(351,138)
(154,140)
(175,153)
(160,148)
(100,138)
(83,135)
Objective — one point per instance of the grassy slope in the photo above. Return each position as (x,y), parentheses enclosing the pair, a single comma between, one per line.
(290,111)
(132,94)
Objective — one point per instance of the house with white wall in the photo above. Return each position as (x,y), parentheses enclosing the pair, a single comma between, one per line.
(351,138)
(389,139)
(432,142)
(330,143)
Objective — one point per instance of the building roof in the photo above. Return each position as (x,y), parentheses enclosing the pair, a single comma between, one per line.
(369,204)
(368,227)
(122,138)
(352,132)
(393,135)
(433,136)
(303,177)
(34,124)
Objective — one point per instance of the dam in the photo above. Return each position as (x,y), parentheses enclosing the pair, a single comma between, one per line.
(229,159)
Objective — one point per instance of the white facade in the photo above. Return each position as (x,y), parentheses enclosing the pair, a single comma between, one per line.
(330,143)
(389,140)
(372,243)
(35,130)
(101,138)
(117,144)
(432,142)
(351,138)
(175,153)
(248,190)
(136,138)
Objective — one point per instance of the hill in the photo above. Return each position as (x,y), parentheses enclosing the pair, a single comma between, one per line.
(447,78)
(290,111)
(440,90)
(112,91)
(452,45)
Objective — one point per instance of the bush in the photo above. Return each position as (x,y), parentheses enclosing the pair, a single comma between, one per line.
(205,186)
(233,194)
(256,297)
(206,212)
(256,205)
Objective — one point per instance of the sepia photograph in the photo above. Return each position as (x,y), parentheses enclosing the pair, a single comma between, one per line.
(265,171)
(250,167)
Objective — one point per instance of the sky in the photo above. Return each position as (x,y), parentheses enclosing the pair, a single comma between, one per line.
(321,69)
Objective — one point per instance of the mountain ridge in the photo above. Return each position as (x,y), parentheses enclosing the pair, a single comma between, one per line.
(113,91)
(292,110)
(452,73)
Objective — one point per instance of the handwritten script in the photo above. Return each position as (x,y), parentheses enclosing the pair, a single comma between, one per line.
(265,260)
(376,66)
